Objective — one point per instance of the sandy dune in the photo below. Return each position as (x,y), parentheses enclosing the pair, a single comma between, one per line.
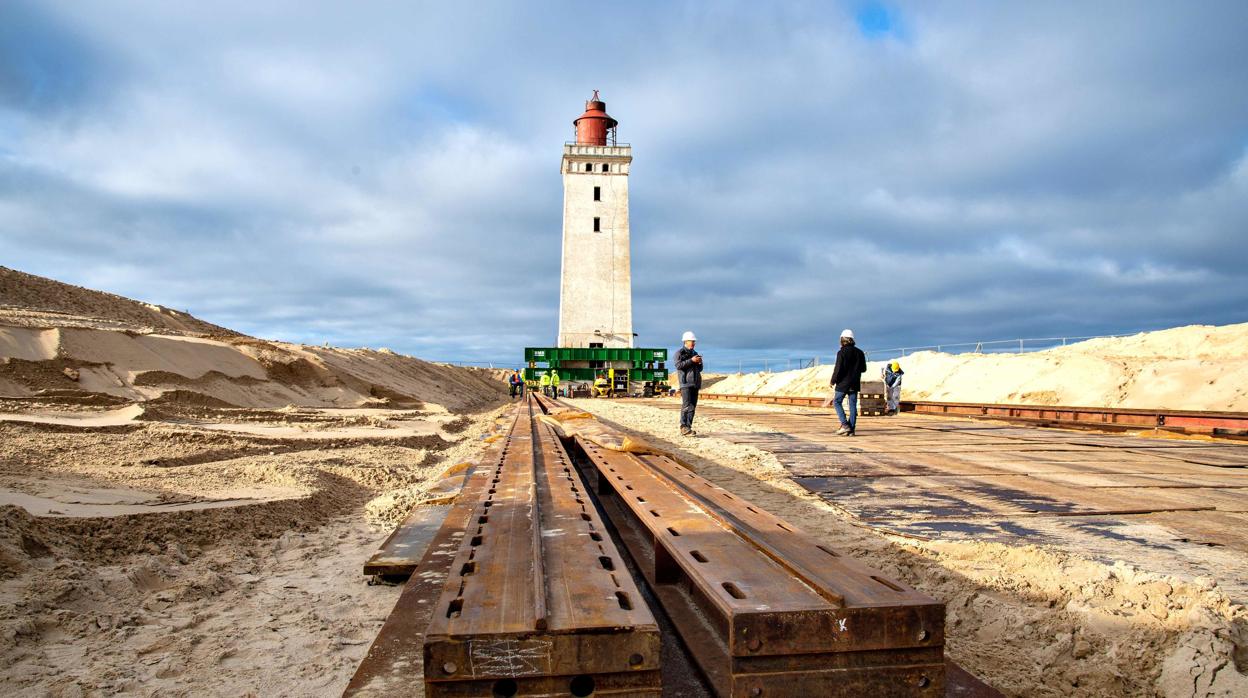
(185,510)
(1199,367)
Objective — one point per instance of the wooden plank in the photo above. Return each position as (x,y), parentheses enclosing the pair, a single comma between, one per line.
(401,552)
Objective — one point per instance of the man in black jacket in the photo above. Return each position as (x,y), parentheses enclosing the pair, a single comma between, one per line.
(851,363)
(689,372)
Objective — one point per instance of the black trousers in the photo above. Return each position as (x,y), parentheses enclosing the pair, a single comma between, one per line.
(688,403)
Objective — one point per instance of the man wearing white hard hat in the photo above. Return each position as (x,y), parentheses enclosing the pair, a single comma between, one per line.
(689,373)
(851,363)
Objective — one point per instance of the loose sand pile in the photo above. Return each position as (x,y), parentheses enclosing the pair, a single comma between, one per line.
(1200,367)
(69,343)
(1031,621)
(185,510)
(34,300)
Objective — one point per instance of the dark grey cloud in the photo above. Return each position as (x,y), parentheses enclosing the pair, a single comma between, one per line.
(387,175)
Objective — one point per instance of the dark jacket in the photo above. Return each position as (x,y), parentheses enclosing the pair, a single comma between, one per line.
(851,363)
(689,373)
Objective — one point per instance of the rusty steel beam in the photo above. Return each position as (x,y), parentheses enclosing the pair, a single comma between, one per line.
(1107,418)
(393,660)
(764,609)
(538,600)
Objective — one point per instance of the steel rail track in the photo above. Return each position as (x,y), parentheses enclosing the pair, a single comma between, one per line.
(536,599)
(523,591)
(764,609)
(1230,424)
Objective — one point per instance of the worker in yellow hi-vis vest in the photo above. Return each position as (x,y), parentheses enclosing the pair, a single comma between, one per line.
(544,383)
(554,384)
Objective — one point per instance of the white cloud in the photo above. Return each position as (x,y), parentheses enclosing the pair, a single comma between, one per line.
(387,174)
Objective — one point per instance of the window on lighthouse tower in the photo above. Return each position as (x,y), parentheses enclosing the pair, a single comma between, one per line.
(597,193)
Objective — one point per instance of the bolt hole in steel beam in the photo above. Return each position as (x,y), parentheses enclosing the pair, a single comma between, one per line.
(581,686)
(829,551)
(697,556)
(733,590)
(595,536)
(673,531)
(469,568)
(454,609)
(505,688)
(625,602)
(606,563)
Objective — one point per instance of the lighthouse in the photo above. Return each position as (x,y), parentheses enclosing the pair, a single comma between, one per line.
(595,290)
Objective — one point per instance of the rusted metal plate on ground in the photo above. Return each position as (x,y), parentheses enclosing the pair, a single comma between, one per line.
(1231,457)
(538,600)
(764,609)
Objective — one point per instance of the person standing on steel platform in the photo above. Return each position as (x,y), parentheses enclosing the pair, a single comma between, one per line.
(543,382)
(554,383)
(851,363)
(689,371)
(514,383)
(892,373)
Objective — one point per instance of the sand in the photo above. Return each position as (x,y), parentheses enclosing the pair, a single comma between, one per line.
(188,509)
(1199,367)
(185,510)
(1032,621)
(161,557)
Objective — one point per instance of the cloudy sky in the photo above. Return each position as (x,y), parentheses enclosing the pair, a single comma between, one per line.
(387,174)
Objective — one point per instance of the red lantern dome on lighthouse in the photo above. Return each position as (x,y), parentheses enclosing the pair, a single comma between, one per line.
(595,126)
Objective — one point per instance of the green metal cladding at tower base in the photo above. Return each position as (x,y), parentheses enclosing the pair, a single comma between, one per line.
(644,365)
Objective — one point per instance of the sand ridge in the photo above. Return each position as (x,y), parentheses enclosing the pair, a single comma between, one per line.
(1198,367)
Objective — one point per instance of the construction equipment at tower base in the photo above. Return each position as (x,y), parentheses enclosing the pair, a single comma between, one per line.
(599,371)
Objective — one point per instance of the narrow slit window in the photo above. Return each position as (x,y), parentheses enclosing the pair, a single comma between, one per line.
(589,167)
(606,167)
(597,193)
(597,224)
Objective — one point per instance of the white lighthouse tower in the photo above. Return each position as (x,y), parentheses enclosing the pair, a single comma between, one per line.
(596,292)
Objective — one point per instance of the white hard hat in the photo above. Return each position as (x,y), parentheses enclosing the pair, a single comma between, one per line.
(847,334)
(688,337)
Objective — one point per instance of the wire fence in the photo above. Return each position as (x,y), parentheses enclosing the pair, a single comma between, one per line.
(782,363)
(995,346)
(482,364)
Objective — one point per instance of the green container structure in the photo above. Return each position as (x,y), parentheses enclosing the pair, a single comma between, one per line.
(643,365)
